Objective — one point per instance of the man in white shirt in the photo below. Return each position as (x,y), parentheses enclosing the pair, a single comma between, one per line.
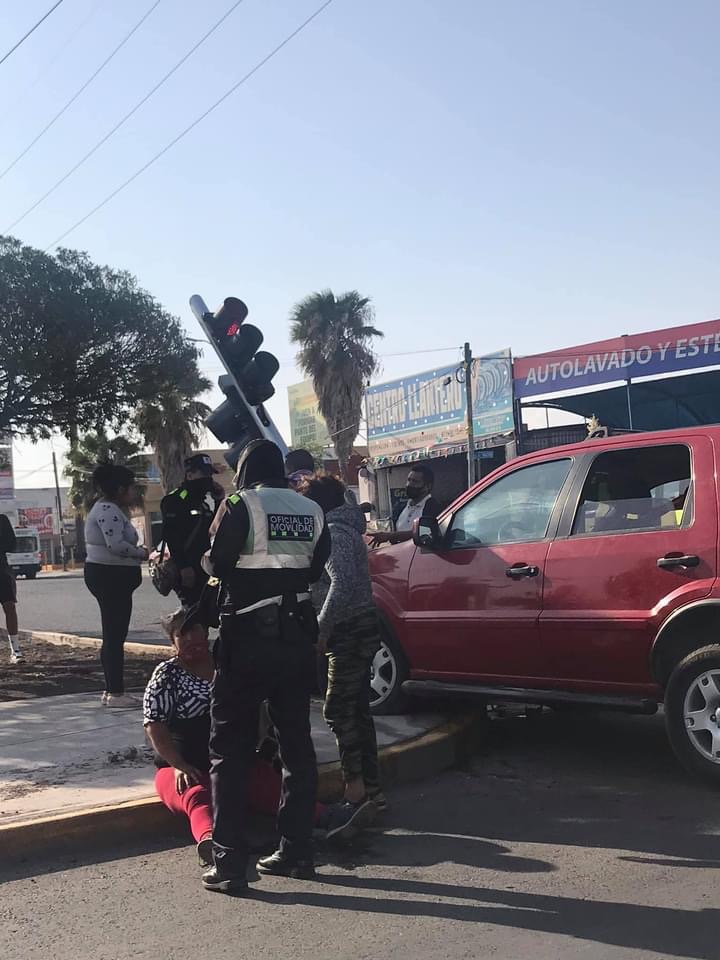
(420,503)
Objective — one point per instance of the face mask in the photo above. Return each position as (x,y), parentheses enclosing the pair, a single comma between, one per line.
(415,493)
(201,486)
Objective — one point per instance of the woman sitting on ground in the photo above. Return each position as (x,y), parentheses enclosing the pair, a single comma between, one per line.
(176,713)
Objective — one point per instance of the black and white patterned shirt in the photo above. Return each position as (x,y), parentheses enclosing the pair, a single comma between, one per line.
(182,701)
(174,694)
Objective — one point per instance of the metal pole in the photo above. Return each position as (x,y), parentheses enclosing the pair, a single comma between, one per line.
(469,414)
(629,403)
(58,502)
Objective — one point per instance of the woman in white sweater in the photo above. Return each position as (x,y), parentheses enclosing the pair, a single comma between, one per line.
(112,571)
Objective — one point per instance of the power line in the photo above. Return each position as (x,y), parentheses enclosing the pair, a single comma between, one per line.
(31,30)
(198,120)
(127,116)
(46,66)
(84,87)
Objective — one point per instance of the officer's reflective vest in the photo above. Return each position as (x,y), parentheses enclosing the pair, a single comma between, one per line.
(284,529)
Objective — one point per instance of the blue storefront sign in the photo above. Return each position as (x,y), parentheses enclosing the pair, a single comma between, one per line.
(426,411)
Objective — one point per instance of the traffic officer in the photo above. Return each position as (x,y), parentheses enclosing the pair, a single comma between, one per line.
(187,514)
(269,544)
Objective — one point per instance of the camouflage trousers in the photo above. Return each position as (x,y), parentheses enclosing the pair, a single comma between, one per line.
(350,653)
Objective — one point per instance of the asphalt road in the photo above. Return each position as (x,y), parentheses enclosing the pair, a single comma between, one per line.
(62,604)
(572,836)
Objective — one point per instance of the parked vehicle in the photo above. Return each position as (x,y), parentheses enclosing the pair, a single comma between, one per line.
(585,574)
(27,558)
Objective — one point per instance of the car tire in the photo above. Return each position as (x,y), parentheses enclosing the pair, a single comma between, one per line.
(692,712)
(390,670)
(31,575)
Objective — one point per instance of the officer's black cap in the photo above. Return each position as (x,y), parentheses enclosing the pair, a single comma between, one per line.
(200,461)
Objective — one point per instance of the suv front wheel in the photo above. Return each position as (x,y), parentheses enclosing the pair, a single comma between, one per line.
(388,673)
(692,712)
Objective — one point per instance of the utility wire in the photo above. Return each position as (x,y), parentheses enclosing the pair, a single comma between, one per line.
(184,133)
(31,30)
(46,66)
(127,116)
(84,87)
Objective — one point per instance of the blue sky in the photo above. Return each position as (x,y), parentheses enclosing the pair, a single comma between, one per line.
(519,174)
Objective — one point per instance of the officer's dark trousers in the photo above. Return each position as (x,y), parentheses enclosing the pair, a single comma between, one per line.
(252,668)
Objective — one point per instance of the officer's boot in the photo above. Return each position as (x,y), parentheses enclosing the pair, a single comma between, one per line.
(220,880)
(282,864)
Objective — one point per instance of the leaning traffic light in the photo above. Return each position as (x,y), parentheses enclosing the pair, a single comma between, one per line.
(248,382)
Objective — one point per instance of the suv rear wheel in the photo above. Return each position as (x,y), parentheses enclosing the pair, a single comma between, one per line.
(692,712)
(389,672)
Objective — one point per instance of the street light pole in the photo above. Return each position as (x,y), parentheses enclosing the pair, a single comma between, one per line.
(58,503)
(469,412)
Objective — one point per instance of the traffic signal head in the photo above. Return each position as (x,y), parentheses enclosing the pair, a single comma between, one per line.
(247,385)
(228,318)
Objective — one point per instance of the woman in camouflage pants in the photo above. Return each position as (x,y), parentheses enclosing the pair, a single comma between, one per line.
(350,636)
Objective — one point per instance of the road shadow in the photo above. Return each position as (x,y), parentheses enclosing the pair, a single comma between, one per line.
(664,931)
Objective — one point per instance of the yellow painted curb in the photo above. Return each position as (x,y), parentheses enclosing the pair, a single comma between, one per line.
(423,756)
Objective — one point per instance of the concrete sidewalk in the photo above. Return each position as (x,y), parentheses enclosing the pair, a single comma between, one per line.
(67,754)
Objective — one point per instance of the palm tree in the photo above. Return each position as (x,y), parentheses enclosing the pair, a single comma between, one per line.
(85,453)
(335,338)
(171,424)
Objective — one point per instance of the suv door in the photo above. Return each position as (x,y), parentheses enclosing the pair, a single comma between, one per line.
(616,568)
(473,605)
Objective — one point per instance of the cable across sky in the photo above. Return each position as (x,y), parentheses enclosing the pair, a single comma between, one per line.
(82,89)
(128,115)
(30,31)
(236,86)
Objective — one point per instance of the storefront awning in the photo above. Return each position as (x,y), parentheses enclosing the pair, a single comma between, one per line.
(686,401)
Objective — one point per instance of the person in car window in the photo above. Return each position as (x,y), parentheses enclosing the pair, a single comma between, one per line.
(420,503)
(8,596)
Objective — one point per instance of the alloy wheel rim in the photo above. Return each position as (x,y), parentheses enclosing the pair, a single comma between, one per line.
(701,715)
(383,675)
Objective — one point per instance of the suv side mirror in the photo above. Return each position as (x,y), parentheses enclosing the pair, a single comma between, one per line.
(426,533)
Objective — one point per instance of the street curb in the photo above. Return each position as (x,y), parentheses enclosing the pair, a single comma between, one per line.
(71,640)
(421,757)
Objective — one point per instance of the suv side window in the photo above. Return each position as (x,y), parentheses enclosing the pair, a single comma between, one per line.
(643,489)
(515,509)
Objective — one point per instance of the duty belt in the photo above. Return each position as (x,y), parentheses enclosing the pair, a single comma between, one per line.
(268,602)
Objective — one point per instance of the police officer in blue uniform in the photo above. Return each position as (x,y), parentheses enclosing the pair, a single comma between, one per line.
(270,543)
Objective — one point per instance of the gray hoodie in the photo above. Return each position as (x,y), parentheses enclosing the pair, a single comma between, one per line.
(344,590)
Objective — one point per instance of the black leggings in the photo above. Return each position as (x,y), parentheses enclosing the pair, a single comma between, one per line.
(113,587)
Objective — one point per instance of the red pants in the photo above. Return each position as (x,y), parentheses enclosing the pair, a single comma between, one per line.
(196,802)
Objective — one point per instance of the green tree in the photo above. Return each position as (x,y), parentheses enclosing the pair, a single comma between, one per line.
(170,423)
(80,344)
(335,336)
(95,447)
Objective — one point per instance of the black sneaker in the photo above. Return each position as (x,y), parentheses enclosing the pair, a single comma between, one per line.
(205,852)
(280,864)
(215,880)
(348,819)
(380,801)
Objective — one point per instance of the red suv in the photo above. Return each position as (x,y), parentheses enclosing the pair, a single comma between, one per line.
(583,574)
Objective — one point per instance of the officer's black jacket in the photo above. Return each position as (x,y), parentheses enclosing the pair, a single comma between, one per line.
(242,588)
(181,517)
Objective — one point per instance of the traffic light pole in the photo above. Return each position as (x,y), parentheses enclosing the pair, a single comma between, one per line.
(259,415)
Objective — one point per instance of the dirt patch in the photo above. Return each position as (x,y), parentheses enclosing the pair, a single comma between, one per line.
(52,669)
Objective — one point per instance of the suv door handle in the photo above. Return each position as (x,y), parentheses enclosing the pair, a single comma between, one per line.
(677,560)
(519,570)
